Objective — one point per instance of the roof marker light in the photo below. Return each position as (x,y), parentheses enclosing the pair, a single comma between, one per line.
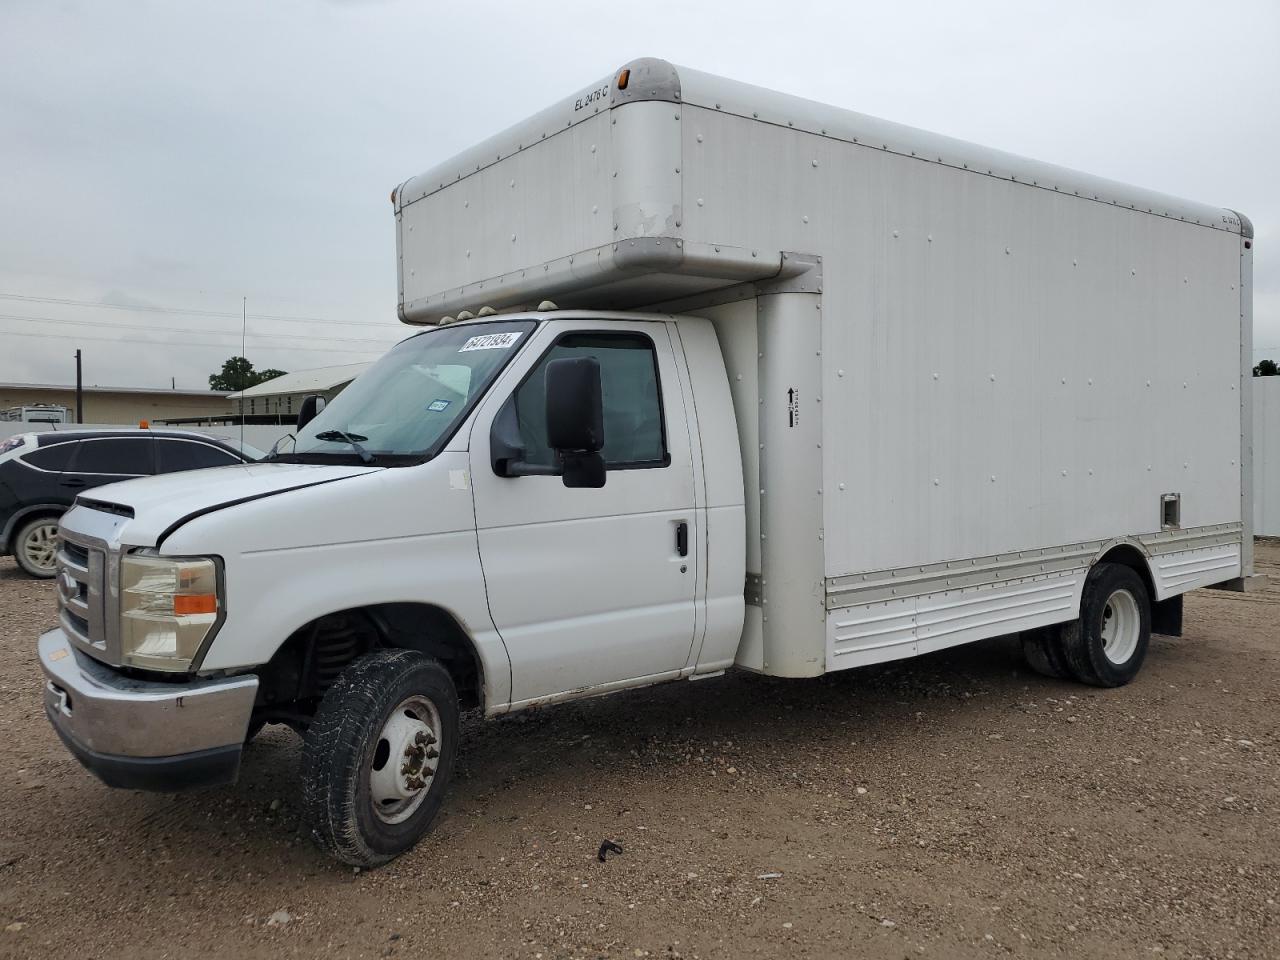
(623,78)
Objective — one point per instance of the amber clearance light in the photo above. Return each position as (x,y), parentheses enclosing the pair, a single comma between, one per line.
(195,603)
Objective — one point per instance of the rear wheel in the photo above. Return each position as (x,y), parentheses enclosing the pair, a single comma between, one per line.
(1042,650)
(378,756)
(1107,645)
(36,547)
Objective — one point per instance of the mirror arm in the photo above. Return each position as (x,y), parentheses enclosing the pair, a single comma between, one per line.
(518,468)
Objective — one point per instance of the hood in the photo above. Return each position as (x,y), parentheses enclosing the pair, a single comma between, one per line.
(161,504)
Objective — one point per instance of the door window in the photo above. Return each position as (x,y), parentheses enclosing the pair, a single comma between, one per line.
(175,455)
(129,456)
(634,433)
(55,457)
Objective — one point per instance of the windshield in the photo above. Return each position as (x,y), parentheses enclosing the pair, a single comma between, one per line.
(409,402)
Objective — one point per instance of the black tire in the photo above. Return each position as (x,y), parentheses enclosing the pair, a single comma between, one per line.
(342,746)
(1042,650)
(1082,641)
(31,541)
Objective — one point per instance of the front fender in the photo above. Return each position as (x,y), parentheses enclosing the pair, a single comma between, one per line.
(403,535)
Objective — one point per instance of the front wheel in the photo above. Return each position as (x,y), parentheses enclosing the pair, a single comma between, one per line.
(36,547)
(378,756)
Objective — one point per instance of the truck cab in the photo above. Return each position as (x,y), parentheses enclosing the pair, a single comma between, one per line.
(521,503)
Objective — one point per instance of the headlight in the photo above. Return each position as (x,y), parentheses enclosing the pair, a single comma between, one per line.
(167,608)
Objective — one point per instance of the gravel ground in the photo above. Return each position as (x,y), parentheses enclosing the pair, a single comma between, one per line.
(952,806)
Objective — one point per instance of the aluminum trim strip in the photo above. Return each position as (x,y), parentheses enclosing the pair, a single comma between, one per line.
(917,581)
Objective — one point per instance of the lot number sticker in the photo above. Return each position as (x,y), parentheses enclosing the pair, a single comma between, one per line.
(491,341)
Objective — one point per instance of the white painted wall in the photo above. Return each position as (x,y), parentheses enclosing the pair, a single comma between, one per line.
(261,436)
(1266,456)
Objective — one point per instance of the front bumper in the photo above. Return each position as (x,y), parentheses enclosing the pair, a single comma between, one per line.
(142,734)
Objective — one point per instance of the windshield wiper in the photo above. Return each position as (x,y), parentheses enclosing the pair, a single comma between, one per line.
(351,438)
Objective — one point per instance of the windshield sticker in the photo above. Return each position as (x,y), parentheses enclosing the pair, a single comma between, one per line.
(492,341)
(436,406)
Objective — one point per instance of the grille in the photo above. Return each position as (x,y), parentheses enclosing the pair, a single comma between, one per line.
(81,600)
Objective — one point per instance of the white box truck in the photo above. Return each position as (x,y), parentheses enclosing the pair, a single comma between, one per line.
(710,377)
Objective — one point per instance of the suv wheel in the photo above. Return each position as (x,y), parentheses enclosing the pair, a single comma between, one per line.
(36,547)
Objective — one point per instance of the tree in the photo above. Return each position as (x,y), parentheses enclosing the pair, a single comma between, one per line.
(1266,368)
(238,374)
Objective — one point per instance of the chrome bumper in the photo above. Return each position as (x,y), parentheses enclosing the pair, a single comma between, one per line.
(145,734)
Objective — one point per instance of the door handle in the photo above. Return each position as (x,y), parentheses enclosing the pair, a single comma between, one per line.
(682,538)
(75,482)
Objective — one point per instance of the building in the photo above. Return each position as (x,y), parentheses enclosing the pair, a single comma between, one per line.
(278,400)
(122,405)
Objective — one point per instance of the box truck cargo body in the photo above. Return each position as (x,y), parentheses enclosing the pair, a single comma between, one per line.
(959,377)
(708,376)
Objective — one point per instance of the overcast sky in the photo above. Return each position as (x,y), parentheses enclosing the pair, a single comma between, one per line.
(162,156)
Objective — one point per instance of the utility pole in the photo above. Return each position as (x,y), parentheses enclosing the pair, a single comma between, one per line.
(79,391)
(244,326)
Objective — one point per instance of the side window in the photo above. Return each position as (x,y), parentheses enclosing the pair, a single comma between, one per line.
(55,457)
(175,455)
(130,456)
(634,435)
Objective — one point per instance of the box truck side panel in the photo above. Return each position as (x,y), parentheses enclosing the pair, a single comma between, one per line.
(981,337)
(1010,376)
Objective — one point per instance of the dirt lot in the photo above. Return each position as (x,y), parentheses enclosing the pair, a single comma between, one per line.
(955,806)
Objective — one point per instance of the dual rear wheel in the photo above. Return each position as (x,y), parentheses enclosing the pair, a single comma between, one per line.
(1105,647)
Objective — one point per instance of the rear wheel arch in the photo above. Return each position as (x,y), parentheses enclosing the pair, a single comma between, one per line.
(1129,553)
(28,513)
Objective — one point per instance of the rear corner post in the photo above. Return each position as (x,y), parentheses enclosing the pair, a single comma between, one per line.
(1248,581)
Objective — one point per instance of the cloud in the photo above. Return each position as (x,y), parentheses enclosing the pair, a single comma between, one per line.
(193,154)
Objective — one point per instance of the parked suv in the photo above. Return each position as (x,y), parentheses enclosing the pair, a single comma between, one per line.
(41,474)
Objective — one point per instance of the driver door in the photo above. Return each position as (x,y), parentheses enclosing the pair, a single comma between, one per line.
(592,588)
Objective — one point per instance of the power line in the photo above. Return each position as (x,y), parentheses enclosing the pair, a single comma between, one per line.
(67,301)
(216,333)
(180,343)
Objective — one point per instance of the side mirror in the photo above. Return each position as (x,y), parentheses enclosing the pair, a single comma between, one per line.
(311,406)
(575,419)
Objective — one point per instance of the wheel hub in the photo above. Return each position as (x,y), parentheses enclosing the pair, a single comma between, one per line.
(1121,627)
(404,761)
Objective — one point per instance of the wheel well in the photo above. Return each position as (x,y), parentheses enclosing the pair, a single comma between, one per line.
(311,659)
(19,520)
(1166,615)
(1128,555)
